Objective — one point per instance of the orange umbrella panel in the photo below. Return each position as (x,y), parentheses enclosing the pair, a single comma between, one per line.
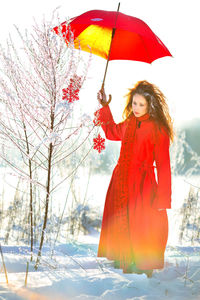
(95,39)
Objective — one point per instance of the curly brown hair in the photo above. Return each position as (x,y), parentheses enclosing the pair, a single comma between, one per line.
(157,106)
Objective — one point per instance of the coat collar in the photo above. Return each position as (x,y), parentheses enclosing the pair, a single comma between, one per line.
(142,118)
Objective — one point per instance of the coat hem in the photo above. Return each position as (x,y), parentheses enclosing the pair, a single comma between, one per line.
(158,267)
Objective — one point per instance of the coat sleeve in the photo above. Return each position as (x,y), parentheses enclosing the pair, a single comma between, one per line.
(162,158)
(112,130)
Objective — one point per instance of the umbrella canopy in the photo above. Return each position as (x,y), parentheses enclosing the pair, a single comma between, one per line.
(133,38)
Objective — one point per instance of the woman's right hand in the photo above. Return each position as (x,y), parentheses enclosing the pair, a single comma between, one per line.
(101,96)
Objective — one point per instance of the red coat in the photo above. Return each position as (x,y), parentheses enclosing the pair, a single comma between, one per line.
(133,229)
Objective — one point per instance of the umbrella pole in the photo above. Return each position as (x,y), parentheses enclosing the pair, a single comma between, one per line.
(113,33)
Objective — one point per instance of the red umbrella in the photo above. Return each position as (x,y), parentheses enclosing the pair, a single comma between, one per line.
(114,35)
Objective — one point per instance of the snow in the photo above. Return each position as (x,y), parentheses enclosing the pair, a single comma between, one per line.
(75,272)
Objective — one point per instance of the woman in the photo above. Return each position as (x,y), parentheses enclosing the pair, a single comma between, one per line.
(134,228)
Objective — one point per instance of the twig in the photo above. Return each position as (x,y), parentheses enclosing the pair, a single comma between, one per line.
(192,184)
(27,266)
(186,271)
(4,266)
(61,218)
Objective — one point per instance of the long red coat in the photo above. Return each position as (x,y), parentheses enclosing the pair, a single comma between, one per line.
(134,230)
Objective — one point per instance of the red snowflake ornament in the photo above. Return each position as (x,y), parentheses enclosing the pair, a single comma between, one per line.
(99,143)
(71,93)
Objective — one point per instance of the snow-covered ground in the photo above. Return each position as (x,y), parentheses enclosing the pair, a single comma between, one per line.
(75,272)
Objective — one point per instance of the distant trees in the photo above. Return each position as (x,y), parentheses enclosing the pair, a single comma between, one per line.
(184,160)
(190,218)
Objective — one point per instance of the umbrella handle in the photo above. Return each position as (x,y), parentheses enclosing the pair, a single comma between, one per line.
(113,33)
(109,96)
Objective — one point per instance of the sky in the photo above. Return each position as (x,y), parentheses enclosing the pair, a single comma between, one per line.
(175,22)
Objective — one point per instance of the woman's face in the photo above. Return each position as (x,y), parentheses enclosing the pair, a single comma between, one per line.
(139,105)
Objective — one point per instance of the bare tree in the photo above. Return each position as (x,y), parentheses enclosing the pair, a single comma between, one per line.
(41,123)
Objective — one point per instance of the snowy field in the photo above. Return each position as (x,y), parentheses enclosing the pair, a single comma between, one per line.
(76,273)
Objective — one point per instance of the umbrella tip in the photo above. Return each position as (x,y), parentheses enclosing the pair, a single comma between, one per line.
(118,6)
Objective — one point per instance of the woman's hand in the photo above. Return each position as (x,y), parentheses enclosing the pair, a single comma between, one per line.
(101,96)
